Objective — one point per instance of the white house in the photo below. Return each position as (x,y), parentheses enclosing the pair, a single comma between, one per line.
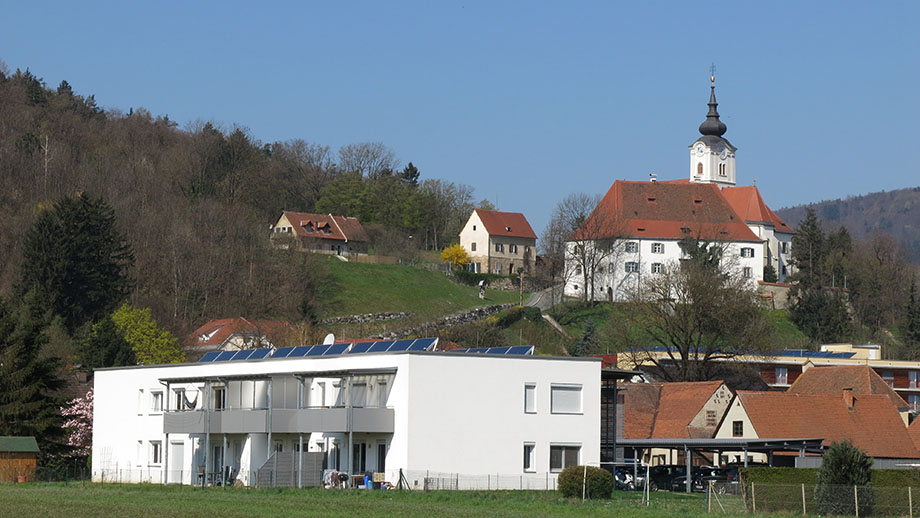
(419,412)
(641,226)
(499,242)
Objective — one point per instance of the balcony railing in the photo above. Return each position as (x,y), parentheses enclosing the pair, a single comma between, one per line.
(283,420)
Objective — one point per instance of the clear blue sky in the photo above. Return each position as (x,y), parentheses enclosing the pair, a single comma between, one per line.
(525,101)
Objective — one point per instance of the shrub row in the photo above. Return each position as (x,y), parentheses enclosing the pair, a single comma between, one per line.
(809,476)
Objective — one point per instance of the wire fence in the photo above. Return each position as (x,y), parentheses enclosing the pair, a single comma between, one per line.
(440,481)
(814,500)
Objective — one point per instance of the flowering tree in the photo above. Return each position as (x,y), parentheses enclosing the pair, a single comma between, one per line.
(79,423)
(455,255)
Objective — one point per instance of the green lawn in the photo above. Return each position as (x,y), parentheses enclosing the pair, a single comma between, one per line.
(127,501)
(373,288)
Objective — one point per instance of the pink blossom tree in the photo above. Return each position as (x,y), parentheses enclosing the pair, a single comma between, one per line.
(79,423)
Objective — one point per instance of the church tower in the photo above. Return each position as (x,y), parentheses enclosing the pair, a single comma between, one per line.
(712,157)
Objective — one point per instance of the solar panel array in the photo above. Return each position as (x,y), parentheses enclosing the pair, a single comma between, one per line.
(517,350)
(313,351)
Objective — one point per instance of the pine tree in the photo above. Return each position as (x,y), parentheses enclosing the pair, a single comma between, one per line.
(912,318)
(106,347)
(809,251)
(76,261)
(27,379)
(843,467)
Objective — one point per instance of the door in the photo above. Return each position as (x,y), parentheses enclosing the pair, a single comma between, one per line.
(381,457)
(176,463)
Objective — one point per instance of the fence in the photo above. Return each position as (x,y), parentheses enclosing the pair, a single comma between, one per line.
(806,499)
(439,481)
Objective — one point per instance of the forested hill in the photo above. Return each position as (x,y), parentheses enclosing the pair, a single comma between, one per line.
(892,212)
(196,203)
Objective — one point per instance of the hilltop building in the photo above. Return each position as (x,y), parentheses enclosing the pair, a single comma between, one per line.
(322,233)
(642,228)
(499,242)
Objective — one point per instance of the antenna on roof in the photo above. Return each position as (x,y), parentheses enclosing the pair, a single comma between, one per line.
(329,340)
(653,177)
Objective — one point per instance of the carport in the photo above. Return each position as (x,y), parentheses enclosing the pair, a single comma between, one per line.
(690,446)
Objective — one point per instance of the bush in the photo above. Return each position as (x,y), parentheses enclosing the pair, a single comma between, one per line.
(512,315)
(472,279)
(599,482)
(532,313)
(843,467)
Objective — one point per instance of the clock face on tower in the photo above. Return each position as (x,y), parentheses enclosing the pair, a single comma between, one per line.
(723,154)
(699,150)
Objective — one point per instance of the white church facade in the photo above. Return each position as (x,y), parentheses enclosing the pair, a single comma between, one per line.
(641,228)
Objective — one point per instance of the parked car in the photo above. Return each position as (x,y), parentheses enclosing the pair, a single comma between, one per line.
(701,477)
(660,477)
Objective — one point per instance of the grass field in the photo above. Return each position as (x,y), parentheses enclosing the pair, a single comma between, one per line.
(128,501)
(373,288)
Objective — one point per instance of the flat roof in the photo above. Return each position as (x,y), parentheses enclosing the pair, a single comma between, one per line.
(305,374)
(758,445)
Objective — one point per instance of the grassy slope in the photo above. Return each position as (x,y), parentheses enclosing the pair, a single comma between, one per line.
(372,288)
(128,501)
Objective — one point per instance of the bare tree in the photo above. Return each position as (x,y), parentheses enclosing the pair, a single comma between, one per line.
(371,159)
(306,168)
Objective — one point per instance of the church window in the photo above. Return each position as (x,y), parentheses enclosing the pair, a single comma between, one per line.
(657,248)
(699,168)
(632,267)
(632,247)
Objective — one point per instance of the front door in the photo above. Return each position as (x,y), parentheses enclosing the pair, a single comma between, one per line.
(176,463)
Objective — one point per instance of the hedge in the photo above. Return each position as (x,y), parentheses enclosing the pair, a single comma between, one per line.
(598,482)
(809,476)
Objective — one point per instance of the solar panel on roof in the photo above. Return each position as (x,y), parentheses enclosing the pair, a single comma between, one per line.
(299,352)
(423,344)
(361,347)
(521,349)
(241,355)
(258,354)
(380,347)
(282,352)
(498,350)
(336,349)
(318,350)
(401,345)
(209,356)
(224,356)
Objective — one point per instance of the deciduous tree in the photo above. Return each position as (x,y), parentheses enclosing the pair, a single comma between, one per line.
(151,344)
(456,256)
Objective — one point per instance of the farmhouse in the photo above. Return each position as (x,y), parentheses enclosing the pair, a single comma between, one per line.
(381,407)
(322,233)
(499,242)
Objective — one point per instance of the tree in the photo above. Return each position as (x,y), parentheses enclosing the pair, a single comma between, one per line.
(410,175)
(106,347)
(151,344)
(28,379)
(79,423)
(844,466)
(769,274)
(808,251)
(77,261)
(456,256)
(697,314)
(878,269)
(591,237)
(369,159)
(911,325)
(822,315)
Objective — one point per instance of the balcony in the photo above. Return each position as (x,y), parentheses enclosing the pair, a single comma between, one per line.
(283,420)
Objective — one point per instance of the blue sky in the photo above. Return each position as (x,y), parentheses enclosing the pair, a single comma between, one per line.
(525,101)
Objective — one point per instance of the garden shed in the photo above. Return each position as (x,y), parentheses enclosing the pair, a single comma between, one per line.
(17,459)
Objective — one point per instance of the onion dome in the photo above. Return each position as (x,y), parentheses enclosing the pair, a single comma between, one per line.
(712,125)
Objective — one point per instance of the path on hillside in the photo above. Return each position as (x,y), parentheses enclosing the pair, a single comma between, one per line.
(543,299)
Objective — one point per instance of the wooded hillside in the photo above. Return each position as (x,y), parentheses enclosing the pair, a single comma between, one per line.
(196,203)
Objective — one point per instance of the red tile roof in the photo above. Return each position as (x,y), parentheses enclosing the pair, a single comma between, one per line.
(216,332)
(748,203)
(832,380)
(873,424)
(326,226)
(665,410)
(914,431)
(665,210)
(512,224)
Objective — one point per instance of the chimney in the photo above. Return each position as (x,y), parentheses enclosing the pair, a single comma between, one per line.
(848,398)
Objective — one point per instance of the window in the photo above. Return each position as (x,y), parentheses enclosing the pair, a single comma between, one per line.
(632,247)
(657,248)
(737,428)
(748,272)
(782,376)
(657,267)
(563,456)
(785,247)
(497,269)
(913,379)
(472,247)
(529,449)
(577,270)
(699,169)
(220,398)
(180,399)
(722,169)
(512,249)
(530,399)
(499,247)
(156,401)
(632,267)
(156,452)
(565,399)
(914,401)
(747,252)
(888,376)
(474,227)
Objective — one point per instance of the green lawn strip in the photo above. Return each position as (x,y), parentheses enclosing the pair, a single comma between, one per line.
(373,288)
(129,500)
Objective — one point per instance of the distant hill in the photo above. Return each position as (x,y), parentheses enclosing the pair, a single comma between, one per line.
(893,212)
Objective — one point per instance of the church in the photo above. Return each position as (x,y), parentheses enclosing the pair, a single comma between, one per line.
(639,229)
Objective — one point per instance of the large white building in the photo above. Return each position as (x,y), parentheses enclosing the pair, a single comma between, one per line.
(419,412)
(642,227)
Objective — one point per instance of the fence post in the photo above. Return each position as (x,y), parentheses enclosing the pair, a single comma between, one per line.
(753,499)
(709,498)
(489,482)
(803,499)
(856,499)
(584,483)
(910,503)
(522,482)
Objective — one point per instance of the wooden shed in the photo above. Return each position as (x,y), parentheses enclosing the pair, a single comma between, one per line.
(17,459)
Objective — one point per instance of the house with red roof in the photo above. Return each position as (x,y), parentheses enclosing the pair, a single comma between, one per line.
(499,242)
(860,379)
(233,334)
(645,228)
(324,233)
(870,421)
(682,410)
